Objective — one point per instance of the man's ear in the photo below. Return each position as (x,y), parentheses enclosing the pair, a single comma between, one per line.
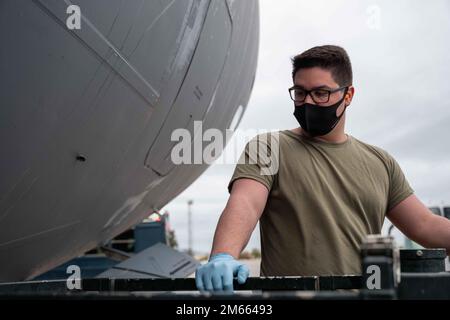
(349,95)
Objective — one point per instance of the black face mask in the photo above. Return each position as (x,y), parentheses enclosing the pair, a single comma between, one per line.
(316,120)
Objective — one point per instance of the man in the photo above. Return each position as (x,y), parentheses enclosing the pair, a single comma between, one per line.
(329,192)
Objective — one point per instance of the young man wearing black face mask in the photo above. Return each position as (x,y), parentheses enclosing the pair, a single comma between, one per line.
(329,192)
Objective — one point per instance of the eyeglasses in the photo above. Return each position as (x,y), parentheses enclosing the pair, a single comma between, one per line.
(318,95)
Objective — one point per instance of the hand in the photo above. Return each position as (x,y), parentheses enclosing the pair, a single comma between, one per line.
(218,273)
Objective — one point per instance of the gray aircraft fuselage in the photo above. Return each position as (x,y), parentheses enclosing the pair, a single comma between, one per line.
(86,115)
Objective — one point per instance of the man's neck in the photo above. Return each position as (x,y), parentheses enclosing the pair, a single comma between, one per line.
(335,136)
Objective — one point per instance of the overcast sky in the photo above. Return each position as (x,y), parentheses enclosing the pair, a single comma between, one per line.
(401,63)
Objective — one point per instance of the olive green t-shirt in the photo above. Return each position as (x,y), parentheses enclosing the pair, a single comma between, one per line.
(323,200)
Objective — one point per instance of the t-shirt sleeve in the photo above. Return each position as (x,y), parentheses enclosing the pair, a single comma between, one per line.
(258,161)
(399,188)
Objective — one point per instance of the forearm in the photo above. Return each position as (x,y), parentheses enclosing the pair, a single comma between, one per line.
(235,227)
(436,233)
(418,223)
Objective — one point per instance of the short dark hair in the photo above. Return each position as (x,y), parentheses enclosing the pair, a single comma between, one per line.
(329,57)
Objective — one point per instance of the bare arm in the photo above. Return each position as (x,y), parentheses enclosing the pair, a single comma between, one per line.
(244,208)
(418,223)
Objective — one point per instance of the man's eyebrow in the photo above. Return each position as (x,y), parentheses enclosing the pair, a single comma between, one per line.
(319,87)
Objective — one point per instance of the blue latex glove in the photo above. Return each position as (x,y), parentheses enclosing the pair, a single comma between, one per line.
(218,273)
